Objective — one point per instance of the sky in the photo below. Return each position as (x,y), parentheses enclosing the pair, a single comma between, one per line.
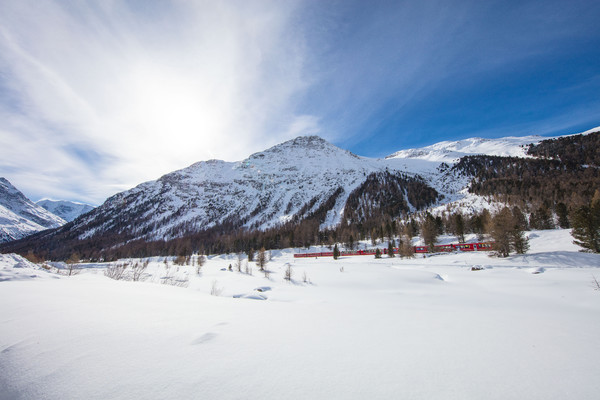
(98,96)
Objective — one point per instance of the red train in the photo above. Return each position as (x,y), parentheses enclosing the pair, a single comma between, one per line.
(482,246)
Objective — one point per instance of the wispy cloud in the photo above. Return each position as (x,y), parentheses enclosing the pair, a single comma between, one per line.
(98,96)
(103,95)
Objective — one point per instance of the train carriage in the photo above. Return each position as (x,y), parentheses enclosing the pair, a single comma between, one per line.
(482,246)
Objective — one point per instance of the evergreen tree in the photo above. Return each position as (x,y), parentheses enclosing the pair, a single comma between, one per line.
(586,225)
(507,232)
(500,231)
(563,215)
(429,231)
(459,227)
(519,242)
(405,248)
(336,252)
(377,253)
(391,245)
(519,218)
(541,219)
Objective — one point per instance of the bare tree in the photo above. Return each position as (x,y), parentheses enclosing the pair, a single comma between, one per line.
(288,272)
(261,259)
(72,265)
(179,260)
(238,262)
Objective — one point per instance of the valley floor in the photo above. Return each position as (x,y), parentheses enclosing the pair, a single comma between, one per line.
(525,327)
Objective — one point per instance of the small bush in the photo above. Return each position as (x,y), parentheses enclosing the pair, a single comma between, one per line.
(215,290)
(288,273)
(116,271)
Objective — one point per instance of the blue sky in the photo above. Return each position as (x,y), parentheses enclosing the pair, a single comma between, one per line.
(99,96)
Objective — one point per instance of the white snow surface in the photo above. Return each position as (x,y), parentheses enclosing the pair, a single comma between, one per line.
(20,217)
(524,327)
(67,210)
(451,151)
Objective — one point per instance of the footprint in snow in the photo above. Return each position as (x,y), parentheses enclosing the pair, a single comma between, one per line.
(207,337)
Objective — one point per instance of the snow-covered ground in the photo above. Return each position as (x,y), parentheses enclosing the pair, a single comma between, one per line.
(525,327)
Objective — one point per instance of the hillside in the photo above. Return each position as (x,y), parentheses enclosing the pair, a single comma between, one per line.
(308,191)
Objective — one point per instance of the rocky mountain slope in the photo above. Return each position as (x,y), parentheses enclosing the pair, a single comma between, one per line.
(269,188)
(19,216)
(67,210)
(304,179)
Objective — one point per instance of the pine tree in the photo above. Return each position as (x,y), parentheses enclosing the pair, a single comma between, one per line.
(586,225)
(541,219)
(519,218)
(563,215)
(507,232)
(500,231)
(336,252)
(377,253)
(519,242)
(429,231)
(459,227)
(391,245)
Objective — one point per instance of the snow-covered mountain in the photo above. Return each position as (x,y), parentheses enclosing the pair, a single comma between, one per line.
(19,216)
(306,178)
(268,188)
(288,181)
(67,210)
(451,151)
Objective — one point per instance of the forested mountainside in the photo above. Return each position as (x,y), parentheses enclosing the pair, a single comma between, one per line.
(307,191)
(582,149)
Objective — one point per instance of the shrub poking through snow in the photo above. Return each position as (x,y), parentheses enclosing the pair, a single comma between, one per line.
(288,273)
(215,289)
(138,269)
(116,271)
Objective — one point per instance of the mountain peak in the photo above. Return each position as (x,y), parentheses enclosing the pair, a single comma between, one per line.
(304,146)
(19,216)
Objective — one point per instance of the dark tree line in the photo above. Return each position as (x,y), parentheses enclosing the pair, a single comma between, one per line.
(530,181)
(570,150)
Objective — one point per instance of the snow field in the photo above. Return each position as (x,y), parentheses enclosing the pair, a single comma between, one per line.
(422,328)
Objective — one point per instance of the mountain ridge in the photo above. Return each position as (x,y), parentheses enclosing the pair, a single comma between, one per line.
(19,216)
(300,187)
(67,210)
